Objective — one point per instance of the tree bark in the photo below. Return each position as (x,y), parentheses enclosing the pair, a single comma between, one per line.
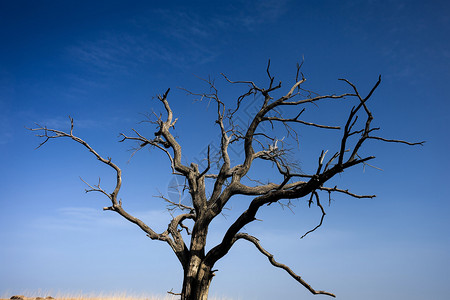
(197,279)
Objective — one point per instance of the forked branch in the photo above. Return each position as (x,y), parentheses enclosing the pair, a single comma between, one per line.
(116,204)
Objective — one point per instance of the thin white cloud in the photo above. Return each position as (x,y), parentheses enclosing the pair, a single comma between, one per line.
(85,218)
(6,132)
(125,53)
(266,11)
(179,38)
(109,54)
(6,100)
(63,123)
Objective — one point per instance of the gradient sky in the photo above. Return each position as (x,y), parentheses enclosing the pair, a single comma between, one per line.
(101,62)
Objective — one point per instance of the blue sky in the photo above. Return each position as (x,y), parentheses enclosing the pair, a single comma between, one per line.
(103,62)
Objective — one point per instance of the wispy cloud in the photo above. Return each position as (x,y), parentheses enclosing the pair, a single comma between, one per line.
(5,131)
(85,218)
(6,100)
(126,53)
(63,123)
(177,37)
(256,13)
(111,53)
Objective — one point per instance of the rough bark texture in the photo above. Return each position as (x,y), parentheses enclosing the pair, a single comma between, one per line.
(284,182)
(197,279)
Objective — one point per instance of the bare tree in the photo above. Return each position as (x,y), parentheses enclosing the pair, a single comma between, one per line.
(228,179)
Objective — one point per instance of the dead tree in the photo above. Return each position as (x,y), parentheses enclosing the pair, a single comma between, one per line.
(228,178)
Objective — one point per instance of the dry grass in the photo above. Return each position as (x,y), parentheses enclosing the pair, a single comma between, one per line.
(93,296)
(98,296)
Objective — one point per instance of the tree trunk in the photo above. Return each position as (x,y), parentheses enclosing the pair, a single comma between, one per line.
(197,279)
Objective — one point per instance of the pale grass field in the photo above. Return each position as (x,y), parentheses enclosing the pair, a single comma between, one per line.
(97,296)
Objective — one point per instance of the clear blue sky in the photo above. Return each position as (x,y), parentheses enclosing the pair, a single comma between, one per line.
(102,62)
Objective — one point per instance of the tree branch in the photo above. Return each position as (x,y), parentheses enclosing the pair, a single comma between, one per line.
(164,131)
(321,208)
(396,141)
(116,203)
(335,189)
(255,242)
(300,121)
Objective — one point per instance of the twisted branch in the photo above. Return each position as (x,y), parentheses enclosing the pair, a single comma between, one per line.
(272,260)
